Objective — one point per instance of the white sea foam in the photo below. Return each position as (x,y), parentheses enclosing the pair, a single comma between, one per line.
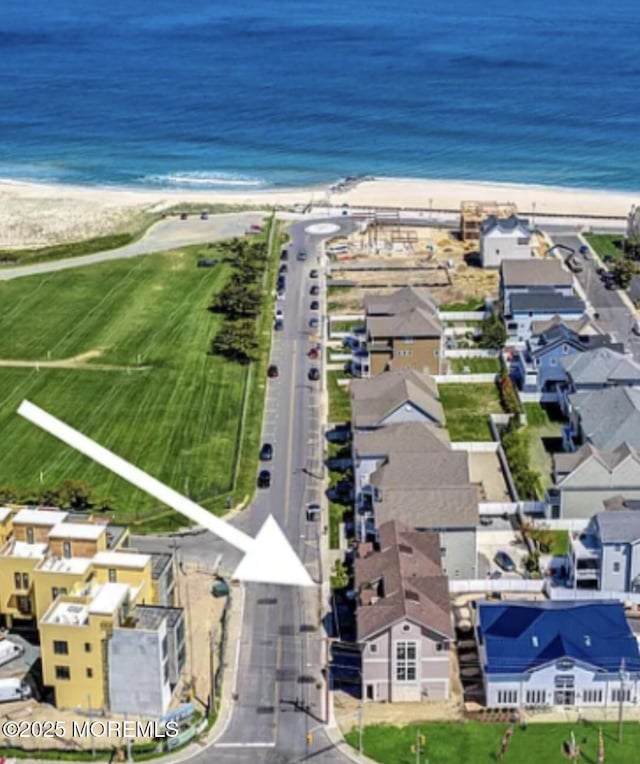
(202,179)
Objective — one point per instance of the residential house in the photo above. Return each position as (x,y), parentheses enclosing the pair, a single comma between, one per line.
(606,555)
(605,418)
(505,239)
(537,305)
(523,276)
(586,478)
(429,491)
(538,368)
(597,369)
(393,397)
(568,654)
(403,617)
(402,330)
(473,214)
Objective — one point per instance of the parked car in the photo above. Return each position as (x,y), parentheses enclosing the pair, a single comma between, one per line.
(315,290)
(279,313)
(278,325)
(302,255)
(266,452)
(314,322)
(272,371)
(204,216)
(495,575)
(313,274)
(183,216)
(264,479)
(205,262)
(284,268)
(314,353)
(314,374)
(315,305)
(314,512)
(502,560)
(220,589)
(284,255)
(584,250)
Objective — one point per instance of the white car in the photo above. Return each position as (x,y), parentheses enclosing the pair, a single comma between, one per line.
(279,313)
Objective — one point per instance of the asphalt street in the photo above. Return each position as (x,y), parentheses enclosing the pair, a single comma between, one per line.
(279,693)
(613,314)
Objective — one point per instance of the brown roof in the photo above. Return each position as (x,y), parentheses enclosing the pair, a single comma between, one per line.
(431,469)
(535,273)
(438,507)
(403,437)
(375,398)
(403,579)
(414,322)
(399,302)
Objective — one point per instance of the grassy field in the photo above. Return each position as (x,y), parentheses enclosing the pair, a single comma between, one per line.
(463,307)
(476,365)
(148,388)
(346,326)
(606,243)
(540,426)
(339,402)
(467,409)
(479,743)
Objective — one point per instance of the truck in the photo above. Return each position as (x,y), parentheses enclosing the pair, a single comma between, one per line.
(14,688)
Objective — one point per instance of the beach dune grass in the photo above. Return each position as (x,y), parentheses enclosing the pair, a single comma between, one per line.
(157,397)
(479,743)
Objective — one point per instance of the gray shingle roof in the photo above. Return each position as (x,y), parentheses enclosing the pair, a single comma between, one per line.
(601,366)
(584,326)
(424,508)
(609,417)
(565,464)
(399,302)
(414,322)
(535,273)
(423,470)
(407,562)
(545,302)
(506,225)
(404,437)
(620,527)
(375,398)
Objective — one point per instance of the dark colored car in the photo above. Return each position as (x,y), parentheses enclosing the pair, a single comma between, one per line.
(584,250)
(278,325)
(204,216)
(314,374)
(284,255)
(302,255)
(266,452)
(284,268)
(313,274)
(314,353)
(315,289)
(315,305)
(264,479)
(502,560)
(272,371)
(183,216)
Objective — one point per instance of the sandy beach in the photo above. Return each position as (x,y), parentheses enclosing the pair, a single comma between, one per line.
(33,215)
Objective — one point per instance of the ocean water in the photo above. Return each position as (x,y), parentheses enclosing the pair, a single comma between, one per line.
(263,93)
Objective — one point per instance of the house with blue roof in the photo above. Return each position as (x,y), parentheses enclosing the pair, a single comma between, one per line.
(571,653)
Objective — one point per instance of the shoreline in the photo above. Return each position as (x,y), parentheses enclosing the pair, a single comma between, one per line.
(36,214)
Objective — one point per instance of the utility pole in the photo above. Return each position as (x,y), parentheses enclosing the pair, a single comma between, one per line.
(623,677)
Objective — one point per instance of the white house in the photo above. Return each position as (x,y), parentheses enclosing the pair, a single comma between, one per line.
(505,239)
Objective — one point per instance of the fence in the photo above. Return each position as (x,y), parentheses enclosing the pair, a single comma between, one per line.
(569,593)
(488,585)
(462,315)
(465,378)
(575,525)
(493,508)
(476,446)
(473,353)
(538,397)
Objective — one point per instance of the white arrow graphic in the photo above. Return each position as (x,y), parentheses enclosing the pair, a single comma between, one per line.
(269,558)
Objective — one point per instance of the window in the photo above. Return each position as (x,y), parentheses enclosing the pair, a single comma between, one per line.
(565,680)
(166,672)
(60,647)
(87,647)
(182,655)
(408,340)
(66,549)
(63,672)
(24,605)
(180,632)
(442,646)
(406,627)
(165,647)
(553,361)
(17,580)
(443,551)
(507,697)
(112,575)
(536,697)
(406,663)
(25,580)
(29,535)
(565,665)
(89,673)
(373,648)
(54,592)
(592,696)
(616,567)
(404,353)
(618,695)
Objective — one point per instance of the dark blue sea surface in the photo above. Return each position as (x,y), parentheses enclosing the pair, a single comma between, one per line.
(262,93)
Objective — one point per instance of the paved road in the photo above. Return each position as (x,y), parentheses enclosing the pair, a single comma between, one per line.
(282,648)
(614,315)
(167,234)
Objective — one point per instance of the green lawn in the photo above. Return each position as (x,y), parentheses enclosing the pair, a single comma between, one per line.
(606,243)
(346,326)
(339,402)
(561,544)
(178,417)
(479,743)
(463,307)
(476,365)
(467,409)
(540,426)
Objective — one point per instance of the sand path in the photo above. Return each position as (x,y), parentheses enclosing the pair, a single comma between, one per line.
(78,362)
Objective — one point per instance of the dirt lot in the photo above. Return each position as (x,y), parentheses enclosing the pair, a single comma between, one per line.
(484,468)
(421,248)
